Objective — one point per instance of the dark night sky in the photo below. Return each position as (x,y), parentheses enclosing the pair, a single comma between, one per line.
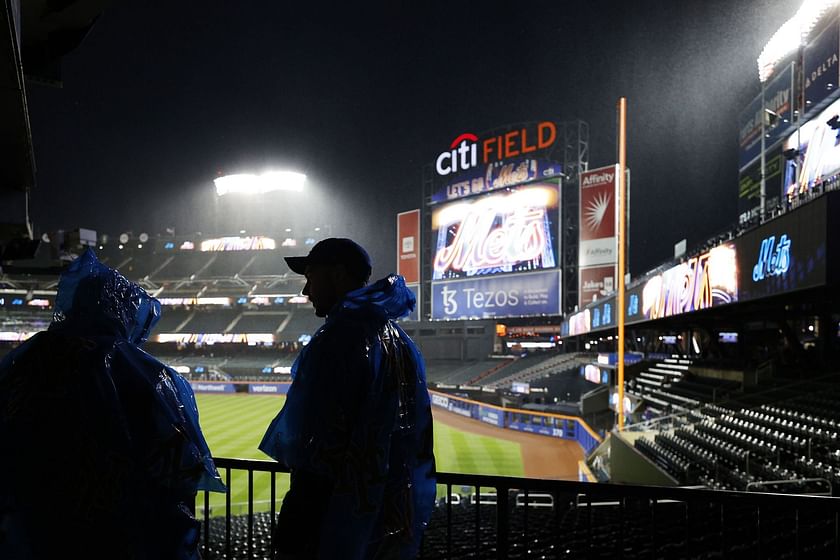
(157,101)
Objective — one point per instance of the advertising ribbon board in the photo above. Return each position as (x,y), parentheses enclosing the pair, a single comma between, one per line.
(495,176)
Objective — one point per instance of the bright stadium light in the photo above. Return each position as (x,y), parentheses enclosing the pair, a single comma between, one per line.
(791,35)
(248,183)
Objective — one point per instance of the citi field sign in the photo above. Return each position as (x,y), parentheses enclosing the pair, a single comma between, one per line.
(468,150)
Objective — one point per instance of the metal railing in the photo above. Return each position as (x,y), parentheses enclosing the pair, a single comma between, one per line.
(573,526)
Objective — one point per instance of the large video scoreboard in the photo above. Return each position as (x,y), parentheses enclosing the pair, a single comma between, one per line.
(497,254)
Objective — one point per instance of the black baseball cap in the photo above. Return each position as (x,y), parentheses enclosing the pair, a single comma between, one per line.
(334,250)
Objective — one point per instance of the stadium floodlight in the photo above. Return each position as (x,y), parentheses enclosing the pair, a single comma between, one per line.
(791,35)
(248,183)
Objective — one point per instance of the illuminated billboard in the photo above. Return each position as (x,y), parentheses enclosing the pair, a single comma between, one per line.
(785,254)
(597,249)
(749,183)
(514,295)
(255,243)
(816,151)
(467,149)
(510,231)
(701,282)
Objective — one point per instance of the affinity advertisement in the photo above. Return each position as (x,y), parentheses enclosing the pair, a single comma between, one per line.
(816,151)
(512,295)
(820,67)
(598,217)
(510,231)
(784,255)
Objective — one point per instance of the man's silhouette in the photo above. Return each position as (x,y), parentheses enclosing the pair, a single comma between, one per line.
(356,429)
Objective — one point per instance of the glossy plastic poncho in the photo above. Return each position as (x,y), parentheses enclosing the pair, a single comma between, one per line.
(358,415)
(102,453)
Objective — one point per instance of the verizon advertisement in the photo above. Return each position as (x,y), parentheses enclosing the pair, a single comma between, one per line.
(408,246)
(597,256)
(509,231)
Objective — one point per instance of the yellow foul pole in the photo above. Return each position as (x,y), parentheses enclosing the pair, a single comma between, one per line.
(622,205)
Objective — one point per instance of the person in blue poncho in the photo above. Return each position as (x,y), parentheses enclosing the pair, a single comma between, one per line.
(356,429)
(102,453)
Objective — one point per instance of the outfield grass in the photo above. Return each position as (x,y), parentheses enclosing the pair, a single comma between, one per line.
(234,425)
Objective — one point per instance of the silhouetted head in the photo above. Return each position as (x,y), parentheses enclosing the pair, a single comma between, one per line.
(332,268)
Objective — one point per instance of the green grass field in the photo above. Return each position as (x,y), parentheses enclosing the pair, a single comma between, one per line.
(234,425)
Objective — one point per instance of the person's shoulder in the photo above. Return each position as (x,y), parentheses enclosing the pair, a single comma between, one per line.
(348,327)
(134,353)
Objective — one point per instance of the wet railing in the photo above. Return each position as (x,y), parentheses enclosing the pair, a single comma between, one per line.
(483,516)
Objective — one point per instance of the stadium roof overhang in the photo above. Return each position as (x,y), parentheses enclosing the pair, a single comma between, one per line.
(34,35)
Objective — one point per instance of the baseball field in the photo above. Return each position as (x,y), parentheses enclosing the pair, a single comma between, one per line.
(234,425)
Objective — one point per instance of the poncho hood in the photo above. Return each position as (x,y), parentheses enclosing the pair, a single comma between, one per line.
(94,299)
(386,299)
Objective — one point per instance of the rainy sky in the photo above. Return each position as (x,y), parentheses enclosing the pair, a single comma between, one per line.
(157,101)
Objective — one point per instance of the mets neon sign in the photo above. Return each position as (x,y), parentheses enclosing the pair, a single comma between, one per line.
(773,258)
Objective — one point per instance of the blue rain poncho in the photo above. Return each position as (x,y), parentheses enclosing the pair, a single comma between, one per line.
(356,432)
(102,453)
